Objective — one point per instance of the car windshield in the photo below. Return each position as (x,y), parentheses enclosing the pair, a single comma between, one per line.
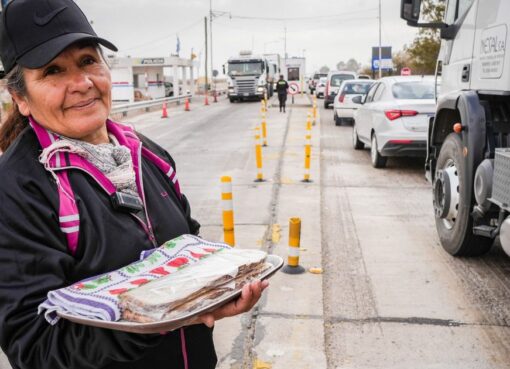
(356,88)
(337,79)
(416,90)
(244,69)
(319,75)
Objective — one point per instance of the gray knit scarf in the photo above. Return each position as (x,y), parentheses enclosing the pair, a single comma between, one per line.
(112,159)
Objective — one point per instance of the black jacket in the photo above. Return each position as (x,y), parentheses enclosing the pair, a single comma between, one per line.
(281,87)
(34,259)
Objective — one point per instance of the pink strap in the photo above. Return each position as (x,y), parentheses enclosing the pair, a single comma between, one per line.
(183,348)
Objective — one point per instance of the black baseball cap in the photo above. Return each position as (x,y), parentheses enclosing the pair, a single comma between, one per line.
(34,32)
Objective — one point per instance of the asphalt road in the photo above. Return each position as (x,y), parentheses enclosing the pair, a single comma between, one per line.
(389,296)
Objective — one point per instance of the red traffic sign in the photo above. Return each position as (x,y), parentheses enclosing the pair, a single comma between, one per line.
(405,71)
(293,88)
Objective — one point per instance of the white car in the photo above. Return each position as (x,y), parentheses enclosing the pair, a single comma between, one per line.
(393,118)
(321,87)
(333,82)
(343,107)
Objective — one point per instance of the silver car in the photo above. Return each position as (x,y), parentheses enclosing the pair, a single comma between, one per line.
(393,118)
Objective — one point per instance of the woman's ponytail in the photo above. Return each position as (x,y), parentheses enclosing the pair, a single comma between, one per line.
(15,121)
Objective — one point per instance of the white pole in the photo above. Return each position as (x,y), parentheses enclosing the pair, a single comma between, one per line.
(380,46)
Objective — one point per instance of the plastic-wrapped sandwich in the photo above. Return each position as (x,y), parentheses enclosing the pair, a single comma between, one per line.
(192,287)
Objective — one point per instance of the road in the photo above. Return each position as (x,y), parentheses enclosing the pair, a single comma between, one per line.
(389,296)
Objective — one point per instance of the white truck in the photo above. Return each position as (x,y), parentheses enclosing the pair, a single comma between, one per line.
(468,159)
(248,77)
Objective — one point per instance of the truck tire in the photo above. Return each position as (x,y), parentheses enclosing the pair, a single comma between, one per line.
(456,234)
(378,161)
(356,143)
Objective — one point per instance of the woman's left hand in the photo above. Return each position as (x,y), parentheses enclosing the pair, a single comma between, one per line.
(250,294)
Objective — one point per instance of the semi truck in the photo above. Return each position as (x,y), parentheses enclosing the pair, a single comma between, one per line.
(249,77)
(468,157)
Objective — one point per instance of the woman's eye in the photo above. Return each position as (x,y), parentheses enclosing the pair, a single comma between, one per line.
(51,71)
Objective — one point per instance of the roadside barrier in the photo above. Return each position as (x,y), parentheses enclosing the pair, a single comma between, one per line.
(293,266)
(308,154)
(164,114)
(263,126)
(228,210)
(186,105)
(258,155)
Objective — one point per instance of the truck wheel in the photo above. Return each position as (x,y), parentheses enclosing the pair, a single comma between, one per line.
(378,161)
(452,203)
(356,143)
(326,105)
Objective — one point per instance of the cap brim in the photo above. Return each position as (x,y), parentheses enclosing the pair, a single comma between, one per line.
(46,52)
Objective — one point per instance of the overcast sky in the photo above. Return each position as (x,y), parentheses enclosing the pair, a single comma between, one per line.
(324,31)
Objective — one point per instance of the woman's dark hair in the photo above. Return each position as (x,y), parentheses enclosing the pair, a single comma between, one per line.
(15,122)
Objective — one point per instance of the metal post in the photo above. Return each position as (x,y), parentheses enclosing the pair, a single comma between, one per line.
(293,266)
(380,45)
(206,80)
(228,210)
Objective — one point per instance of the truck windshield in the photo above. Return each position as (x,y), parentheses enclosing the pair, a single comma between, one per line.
(244,69)
(417,90)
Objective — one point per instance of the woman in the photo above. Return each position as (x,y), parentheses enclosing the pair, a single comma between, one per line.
(61,89)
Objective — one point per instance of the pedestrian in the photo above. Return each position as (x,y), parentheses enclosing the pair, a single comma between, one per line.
(282,87)
(61,87)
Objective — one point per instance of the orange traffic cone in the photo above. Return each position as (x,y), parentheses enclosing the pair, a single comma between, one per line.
(206,99)
(165,113)
(186,105)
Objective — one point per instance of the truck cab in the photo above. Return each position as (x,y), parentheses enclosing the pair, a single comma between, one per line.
(468,157)
(248,77)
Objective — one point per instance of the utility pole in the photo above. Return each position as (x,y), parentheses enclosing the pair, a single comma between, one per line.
(206,66)
(210,31)
(380,46)
(285,42)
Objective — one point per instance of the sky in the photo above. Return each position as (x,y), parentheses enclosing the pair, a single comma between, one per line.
(323,31)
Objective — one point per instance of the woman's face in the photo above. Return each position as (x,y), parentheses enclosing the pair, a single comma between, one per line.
(71,95)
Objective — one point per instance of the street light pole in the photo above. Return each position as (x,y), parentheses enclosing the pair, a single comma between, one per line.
(210,32)
(380,46)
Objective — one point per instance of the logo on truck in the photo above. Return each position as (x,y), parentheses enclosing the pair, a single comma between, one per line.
(492,51)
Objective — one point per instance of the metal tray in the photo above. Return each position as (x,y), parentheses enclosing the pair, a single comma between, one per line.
(174,323)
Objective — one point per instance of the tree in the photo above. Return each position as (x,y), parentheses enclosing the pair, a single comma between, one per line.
(353,65)
(341,65)
(425,47)
(401,59)
(324,69)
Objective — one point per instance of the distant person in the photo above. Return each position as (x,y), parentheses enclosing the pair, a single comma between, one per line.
(81,195)
(281,89)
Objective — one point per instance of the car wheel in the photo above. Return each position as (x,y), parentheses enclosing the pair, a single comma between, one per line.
(356,143)
(338,121)
(232,99)
(378,161)
(452,203)
(326,105)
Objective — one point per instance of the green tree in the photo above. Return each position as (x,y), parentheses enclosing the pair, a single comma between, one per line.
(425,47)
(324,69)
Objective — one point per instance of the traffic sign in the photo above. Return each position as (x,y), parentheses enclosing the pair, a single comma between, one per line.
(405,71)
(293,88)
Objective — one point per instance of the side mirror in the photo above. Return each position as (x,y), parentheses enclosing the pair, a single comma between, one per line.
(357,100)
(410,11)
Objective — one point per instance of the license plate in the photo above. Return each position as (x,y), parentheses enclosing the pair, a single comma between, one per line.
(246,94)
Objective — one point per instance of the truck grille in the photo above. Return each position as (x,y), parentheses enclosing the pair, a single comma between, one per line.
(501,180)
(245,86)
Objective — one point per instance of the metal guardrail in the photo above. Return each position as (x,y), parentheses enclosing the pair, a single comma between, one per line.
(124,108)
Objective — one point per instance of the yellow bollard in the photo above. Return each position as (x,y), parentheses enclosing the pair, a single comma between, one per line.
(293,266)
(258,155)
(308,155)
(228,210)
(264,128)
(309,122)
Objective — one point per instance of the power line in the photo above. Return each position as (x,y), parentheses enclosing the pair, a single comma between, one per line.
(320,17)
(173,34)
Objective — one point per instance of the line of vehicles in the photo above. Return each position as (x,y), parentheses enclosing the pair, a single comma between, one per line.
(459,119)
(252,76)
